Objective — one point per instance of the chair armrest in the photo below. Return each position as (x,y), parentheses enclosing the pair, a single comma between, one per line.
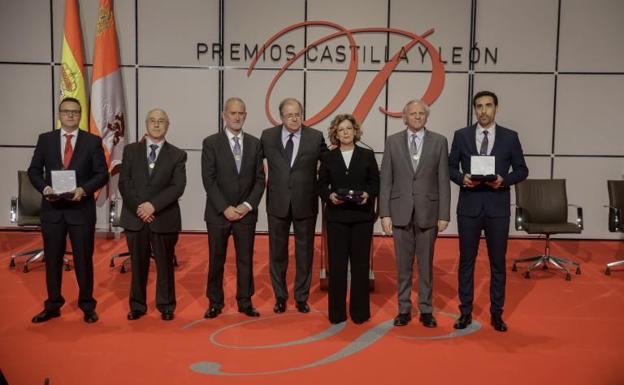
(519,223)
(614,219)
(579,215)
(114,211)
(13,212)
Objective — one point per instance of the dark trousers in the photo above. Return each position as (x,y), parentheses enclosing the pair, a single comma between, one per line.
(496,231)
(244,236)
(279,229)
(54,244)
(349,243)
(141,245)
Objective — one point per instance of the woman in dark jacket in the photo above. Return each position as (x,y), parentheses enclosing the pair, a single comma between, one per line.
(348,184)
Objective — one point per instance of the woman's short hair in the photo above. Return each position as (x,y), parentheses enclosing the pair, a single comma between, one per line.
(333,128)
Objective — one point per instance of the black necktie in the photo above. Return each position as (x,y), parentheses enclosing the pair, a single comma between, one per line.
(290,145)
(484,144)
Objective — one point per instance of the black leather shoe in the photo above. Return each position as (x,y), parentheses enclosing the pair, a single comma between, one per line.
(498,323)
(90,316)
(303,307)
(280,306)
(359,321)
(46,315)
(212,312)
(249,311)
(167,316)
(427,320)
(402,319)
(463,321)
(135,314)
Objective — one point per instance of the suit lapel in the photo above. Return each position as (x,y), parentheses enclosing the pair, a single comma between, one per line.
(56,139)
(404,147)
(425,151)
(142,154)
(302,140)
(248,160)
(77,149)
(497,140)
(226,150)
(472,139)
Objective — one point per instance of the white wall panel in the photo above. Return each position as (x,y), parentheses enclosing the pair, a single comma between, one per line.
(25,102)
(525,33)
(187,95)
(25,31)
(525,105)
(591,36)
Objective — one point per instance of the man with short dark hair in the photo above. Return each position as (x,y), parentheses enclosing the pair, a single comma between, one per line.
(292,151)
(68,148)
(484,205)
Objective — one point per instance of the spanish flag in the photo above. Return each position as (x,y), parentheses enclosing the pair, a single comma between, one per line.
(108,114)
(72,63)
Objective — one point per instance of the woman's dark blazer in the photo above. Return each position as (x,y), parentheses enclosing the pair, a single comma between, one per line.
(362,175)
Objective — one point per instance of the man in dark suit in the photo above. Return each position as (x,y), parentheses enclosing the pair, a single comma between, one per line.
(292,151)
(484,205)
(414,205)
(152,179)
(233,176)
(68,149)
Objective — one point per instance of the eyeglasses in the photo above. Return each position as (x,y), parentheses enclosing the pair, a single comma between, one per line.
(70,112)
(159,121)
(291,116)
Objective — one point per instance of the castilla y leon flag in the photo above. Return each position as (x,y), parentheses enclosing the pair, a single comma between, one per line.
(72,75)
(107,99)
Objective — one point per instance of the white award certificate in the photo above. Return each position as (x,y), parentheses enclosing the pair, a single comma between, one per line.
(482,165)
(63,181)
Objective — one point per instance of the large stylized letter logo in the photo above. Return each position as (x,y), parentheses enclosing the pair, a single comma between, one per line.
(365,104)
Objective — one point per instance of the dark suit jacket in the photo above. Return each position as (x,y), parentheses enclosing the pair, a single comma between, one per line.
(508,154)
(294,186)
(224,185)
(91,174)
(362,175)
(162,188)
(425,192)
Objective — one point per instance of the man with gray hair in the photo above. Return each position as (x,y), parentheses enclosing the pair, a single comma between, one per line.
(152,179)
(414,205)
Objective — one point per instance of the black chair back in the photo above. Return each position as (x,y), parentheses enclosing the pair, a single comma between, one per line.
(543,200)
(28,201)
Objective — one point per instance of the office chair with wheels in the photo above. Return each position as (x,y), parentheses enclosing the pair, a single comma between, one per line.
(616,214)
(542,208)
(25,210)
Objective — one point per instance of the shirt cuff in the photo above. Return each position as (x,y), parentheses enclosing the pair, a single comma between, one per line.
(248,205)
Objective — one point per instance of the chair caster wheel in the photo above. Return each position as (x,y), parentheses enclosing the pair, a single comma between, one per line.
(527,275)
(12,263)
(545,267)
(608,271)
(111,264)
(25,269)
(578,271)
(514,268)
(568,277)
(122,270)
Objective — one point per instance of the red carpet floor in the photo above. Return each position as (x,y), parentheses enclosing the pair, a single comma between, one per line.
(560,332)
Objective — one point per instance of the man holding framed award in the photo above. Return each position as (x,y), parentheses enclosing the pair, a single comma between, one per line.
(68,167)
(480,161)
